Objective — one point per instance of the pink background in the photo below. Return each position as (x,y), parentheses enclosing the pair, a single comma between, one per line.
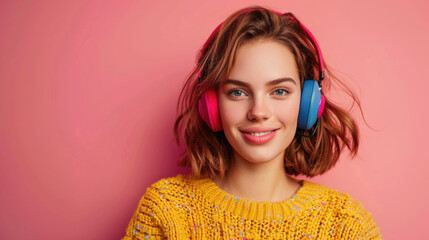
(88,91)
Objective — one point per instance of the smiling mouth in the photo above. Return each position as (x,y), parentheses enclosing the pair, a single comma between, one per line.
(260,133)
(259,137)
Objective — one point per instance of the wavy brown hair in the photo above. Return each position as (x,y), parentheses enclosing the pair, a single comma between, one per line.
(209,153)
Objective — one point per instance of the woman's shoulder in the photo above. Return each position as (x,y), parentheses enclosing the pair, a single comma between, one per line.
(342,205)
(332,198)
(179,186)
(181,181)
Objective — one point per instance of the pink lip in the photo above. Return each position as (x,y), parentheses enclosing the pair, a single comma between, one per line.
(257,129)
(259,139)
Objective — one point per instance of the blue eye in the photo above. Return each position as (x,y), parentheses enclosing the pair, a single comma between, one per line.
(236,93)
(281,92)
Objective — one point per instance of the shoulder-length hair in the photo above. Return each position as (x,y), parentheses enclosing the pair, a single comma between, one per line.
(209,153)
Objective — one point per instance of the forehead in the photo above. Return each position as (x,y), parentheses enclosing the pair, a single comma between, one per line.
(259,61)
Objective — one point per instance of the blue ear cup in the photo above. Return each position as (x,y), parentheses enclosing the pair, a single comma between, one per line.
(311,98)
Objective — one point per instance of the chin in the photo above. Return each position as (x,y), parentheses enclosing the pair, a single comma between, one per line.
(259,156)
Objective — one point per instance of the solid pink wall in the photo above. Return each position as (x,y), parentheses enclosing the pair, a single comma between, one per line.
(88,91)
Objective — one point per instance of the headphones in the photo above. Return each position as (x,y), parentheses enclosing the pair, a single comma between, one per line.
(311,105)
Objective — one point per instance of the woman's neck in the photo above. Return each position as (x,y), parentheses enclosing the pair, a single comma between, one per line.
(258,181)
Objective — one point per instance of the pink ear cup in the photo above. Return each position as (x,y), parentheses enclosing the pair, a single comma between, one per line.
(209,110)
(321,107)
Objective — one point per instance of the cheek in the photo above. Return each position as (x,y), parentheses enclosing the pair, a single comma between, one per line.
(231,112)
(289,112)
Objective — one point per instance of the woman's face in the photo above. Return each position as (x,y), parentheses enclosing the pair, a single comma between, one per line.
(259,103)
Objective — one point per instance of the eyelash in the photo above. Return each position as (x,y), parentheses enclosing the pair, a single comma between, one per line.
(238,90)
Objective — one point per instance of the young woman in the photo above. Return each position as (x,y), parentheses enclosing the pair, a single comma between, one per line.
(251,114)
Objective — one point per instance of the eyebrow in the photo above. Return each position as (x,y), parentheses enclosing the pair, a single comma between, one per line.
(270,83)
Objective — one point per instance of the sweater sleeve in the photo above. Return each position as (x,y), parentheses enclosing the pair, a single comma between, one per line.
(145,223)
(369,230)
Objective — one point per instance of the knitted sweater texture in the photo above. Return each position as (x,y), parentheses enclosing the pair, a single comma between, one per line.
(187,207)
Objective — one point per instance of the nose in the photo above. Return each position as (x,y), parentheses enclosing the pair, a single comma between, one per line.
(258,110)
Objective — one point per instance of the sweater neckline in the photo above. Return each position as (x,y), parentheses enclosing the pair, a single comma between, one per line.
(255,210)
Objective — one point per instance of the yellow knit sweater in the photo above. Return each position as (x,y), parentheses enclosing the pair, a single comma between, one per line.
(186,207)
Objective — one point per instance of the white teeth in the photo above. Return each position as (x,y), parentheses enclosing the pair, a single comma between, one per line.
(260,134)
